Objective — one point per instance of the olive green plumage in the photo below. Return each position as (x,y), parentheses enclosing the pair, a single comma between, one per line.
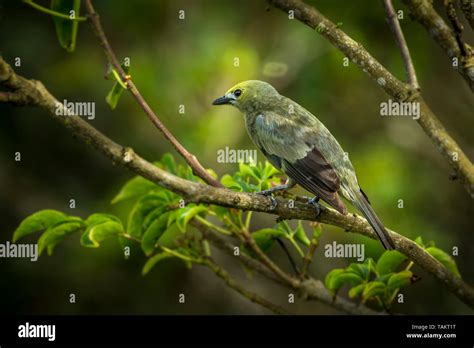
(297,143)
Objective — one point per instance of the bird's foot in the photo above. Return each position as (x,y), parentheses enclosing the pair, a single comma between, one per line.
(314,202)
(269,193)
(274,189)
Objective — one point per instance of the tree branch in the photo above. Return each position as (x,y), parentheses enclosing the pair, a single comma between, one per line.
(37,95)
(192,161)
(467,6)
(423,12)
(310,289)
(268,262)
(394,24)
(15,98)
(457,26)
(390,84)
(232,283)
(228,248)
(308,258)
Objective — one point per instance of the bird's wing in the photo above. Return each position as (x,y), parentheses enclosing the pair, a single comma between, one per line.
(293,147)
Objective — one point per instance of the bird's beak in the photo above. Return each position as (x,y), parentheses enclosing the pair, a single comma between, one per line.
(222,100)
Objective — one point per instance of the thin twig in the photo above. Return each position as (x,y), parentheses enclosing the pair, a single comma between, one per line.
(308,258)
(53,13)
(232,283)
(220,243)
(193,162)
(288,255)
(394,24)
(211,225)
(457,26)
(311,288)
(268,262)
(244,235)
(467,6)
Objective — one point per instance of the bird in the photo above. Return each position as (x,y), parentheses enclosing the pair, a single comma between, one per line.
(297,143)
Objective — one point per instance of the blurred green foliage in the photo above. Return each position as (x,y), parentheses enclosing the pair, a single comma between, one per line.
(190,62)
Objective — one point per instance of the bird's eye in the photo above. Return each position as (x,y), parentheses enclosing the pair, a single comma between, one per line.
(237,92)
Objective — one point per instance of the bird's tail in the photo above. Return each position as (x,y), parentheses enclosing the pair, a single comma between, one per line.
(362,203)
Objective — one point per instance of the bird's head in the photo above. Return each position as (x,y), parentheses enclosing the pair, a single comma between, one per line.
(249,96)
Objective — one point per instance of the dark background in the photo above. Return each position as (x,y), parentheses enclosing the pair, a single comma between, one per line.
(190,62)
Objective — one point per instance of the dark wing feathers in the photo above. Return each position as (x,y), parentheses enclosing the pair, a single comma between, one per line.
(315,163)
(299,158)
(316,175)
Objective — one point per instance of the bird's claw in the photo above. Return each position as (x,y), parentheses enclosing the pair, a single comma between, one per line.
(274,202)
(314,202)
(265,193)
(268,193)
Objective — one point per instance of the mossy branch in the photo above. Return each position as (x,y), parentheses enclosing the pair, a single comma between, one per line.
(232,283)
(398,90)
(424,13)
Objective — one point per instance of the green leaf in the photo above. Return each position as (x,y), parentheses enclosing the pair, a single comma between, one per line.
(37,222)
(300,235)
(66,30)
(419,241)
(173,216)
(249,171)
(266,237)
(385,277)
(134,188)
(212,172)
(338,277)
(186,172)
(285,227)
(400,280)
(168,163)
(231,183)
(99,218)
(153,233)
(131,245)
(94,235)
(221,212)
(389,261)
(360,269)
(373,289)
(56,233)
(329,280)
(114,94)
(317,231)
(86,241)
(372,265)
(357,290)
(207,248)
(269,171)
(170,237)
(142,208)
(187,214)
(93,221)
(154,215)
(445,259)
(153,261)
